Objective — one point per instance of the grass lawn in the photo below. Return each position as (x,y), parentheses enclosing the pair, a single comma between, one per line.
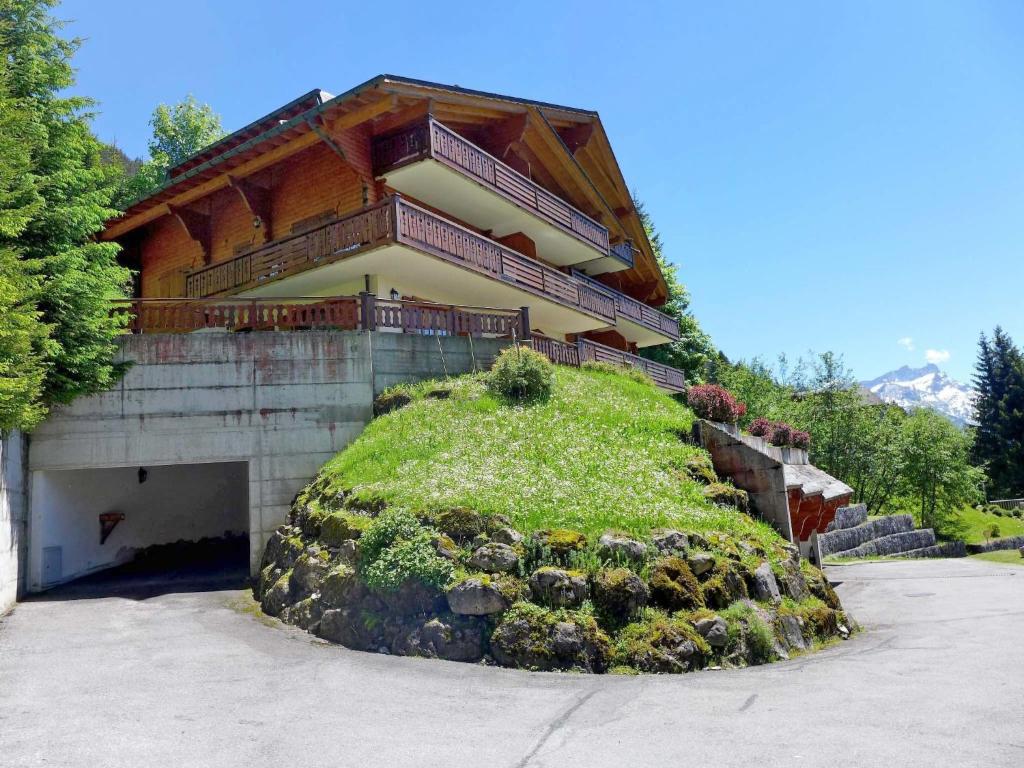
(976,522)
(603,453)
(1008,556)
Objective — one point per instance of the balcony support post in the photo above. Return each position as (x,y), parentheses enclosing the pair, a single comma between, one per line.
(524,323)
(368,311)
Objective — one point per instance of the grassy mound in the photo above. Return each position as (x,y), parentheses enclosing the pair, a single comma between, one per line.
(603,452)
(576,531)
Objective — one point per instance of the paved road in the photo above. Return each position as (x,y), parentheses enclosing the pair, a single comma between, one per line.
(191,679)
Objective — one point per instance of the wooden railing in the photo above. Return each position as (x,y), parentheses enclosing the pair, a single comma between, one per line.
(364,311)
(428,232)
(178,315)
(322,244)
(637,311)
(431,139)
(395,220)
(585,350)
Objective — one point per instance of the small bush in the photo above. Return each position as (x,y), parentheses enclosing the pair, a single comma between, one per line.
(761,427)
(395,549)
(993,531)
(801,439)
(714,403)
(782,434)
(521,374)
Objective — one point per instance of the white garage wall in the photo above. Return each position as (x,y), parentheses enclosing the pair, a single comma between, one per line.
(177,502)
(13,540)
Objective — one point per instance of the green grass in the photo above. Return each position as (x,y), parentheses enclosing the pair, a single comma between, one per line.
(975,522)
(602,453)
(1008,556)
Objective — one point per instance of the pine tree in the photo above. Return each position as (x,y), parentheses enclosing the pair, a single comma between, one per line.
(999,438)
(72,277)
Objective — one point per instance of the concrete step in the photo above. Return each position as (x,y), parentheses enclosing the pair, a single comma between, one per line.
(943,549)
(838,542)
(893,544)
(848,517)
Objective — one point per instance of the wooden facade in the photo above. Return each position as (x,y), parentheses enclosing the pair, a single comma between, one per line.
(525,194)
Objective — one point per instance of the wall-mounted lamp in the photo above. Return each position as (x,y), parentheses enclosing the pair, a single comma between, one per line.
(143,474)
(394,294)
(257,222)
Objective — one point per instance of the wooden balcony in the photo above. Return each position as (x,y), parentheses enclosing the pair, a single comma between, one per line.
(581,241)
(395,221)
(630,309)
(584,350)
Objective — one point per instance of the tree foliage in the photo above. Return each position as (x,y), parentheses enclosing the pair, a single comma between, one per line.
(999,442)
(179,131)
(694,349)
(55,194)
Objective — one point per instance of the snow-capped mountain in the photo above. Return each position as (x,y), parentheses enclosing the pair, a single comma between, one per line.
(926,387)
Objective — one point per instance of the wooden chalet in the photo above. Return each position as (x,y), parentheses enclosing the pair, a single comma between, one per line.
(411,206)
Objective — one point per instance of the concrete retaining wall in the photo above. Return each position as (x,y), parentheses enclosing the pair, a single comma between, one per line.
(13,508)
(284,402)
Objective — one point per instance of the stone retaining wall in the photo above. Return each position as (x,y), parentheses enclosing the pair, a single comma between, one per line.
(893,544)
(994,545)
(840,541)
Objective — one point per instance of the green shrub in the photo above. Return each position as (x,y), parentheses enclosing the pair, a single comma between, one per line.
(744,621)
(521,374)
(993,531)
(396,548)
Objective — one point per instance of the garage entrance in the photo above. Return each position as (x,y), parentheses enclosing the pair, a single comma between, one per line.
(176,517)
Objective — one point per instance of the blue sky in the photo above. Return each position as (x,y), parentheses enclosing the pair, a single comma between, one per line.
(840,175)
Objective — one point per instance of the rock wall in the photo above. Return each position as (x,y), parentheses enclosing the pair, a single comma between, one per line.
(844,539)
(994,545)
(13,539)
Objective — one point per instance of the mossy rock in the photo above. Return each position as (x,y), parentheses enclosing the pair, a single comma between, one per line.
(673,585)
(531,637)
(700,469)
(820,587)
(559,543)
(727,496)
(412,598)
(619,593)
(726,585)
(460,523)
(660,644)
(823,622)
(390,401)
(309,518)
(339,527)
(342,587)
(278,596)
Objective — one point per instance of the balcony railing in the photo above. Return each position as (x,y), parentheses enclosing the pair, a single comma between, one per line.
(363,312)
(585,350)
(637,311)
(391,221)
(430,139)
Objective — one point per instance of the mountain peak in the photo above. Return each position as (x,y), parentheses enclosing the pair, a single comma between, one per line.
(925,387)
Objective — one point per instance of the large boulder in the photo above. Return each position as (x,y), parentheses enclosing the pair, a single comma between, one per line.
(278,597)
(724,585)
(700,562)
(460,523)
(793,583)
(495,558)
(619,547)
(560,542)
(309,570)
(714,630)
(454,638)
(791,632)
(619,593)
(660,645)
(766,588)
(559,588)
(411,598)
(670,542)
(531,637)
(340,527)
(673,585)
(481,596)
(305,614)
(341,587)
(507,535)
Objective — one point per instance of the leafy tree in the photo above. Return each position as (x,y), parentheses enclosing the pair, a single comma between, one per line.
(938,476)
(999,439)
(179,131)
(694,349)
(67,277)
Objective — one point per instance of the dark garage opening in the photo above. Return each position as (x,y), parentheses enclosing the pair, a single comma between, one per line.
(148,529)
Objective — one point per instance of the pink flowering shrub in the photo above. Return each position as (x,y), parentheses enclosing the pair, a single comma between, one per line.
(761,427)
(801,439)
(782,434)
(714,403)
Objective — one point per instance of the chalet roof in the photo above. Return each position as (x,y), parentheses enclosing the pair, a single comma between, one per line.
(298,123)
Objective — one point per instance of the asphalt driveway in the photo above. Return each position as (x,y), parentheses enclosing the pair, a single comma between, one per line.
(159,677)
